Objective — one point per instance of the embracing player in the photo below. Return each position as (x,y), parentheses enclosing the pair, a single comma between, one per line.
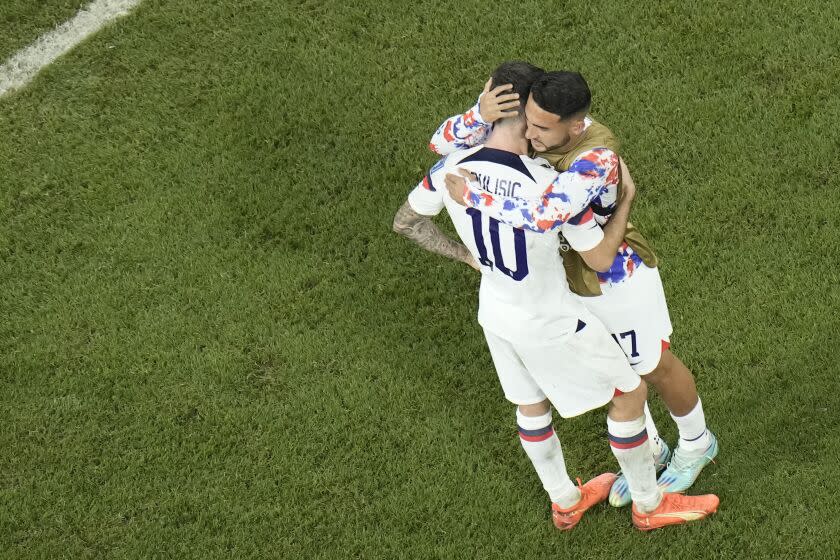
(546,347)
(628,296)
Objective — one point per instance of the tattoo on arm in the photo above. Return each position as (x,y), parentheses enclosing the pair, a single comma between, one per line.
(425,233)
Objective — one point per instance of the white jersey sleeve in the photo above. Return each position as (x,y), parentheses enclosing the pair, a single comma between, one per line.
(582,231)
(427,197)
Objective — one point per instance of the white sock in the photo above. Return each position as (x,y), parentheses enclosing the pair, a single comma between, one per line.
(692,427)
(629,444)
(653,433)
(543,448)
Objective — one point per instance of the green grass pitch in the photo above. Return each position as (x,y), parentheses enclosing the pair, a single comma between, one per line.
(22,21)
(212,345)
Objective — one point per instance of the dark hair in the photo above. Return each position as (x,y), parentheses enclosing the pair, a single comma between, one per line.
(565,94)
(520,75)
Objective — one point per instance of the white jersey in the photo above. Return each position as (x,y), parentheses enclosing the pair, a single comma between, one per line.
(524,296)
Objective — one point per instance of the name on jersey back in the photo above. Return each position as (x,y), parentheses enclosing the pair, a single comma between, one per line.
(494,185)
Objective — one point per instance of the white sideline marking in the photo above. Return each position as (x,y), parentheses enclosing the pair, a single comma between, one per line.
(25,64)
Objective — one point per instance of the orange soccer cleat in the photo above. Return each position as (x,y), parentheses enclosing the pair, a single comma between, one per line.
(593,492)
(675,509)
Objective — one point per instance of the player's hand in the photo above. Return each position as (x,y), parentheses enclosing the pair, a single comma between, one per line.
(457,185)
(494,104)
(628,187)
(473,263)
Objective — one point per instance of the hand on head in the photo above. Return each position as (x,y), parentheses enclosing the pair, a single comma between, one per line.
(494,104)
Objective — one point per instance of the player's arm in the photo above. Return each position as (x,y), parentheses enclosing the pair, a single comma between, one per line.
(601,256)
(605,203)
(569,194)
(423,231)
(472,128)
(414,219)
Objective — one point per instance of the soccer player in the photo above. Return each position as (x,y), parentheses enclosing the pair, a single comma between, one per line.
(546,347)
(628,297)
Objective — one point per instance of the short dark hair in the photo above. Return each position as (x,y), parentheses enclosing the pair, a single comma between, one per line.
(565,94)
(520,75)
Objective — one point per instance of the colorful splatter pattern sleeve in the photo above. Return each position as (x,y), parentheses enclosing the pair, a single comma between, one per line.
(604,204)
(460,132)
(590,176)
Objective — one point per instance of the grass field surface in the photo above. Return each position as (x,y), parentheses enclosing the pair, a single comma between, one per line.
(22,21)
(213,346)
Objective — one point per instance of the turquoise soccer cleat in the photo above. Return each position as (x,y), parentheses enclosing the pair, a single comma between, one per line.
(620,492)
(685,467)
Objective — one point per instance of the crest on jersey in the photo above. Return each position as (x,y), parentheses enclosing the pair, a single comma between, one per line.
(427,180)
(438,165)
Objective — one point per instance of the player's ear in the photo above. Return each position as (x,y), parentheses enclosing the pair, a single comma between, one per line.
(579,125)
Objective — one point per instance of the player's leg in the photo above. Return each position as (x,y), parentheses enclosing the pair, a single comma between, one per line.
(634,316)
(652,508)
(541,444)
(662,370)
(636,312)
(675,384)
(673,381)
(620,491)
(658,447)
(621,309)
(629,442)
(697,446)
(534,421)
(589,371)
(568,502)
(573,374)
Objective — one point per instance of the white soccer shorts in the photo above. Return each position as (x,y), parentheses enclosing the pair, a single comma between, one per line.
(577,375)
(636,314)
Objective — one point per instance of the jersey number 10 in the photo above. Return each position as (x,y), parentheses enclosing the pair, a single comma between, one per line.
(499,263)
